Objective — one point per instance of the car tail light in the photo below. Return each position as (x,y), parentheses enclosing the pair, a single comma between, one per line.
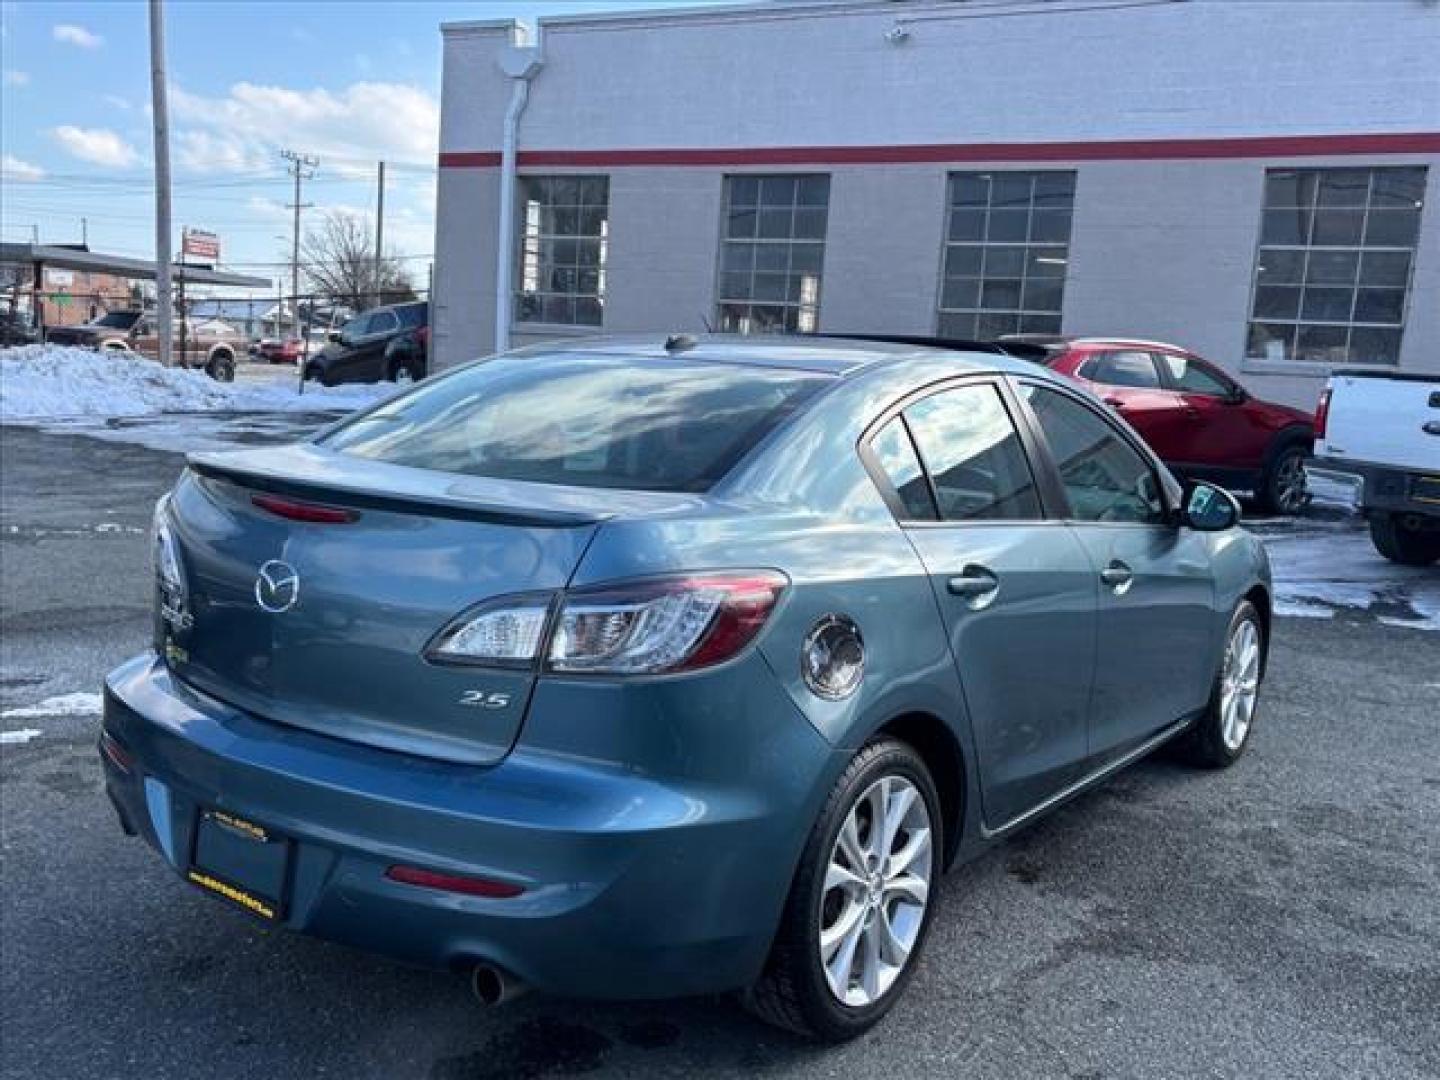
(456,883)
(644,627)
(507,632)
(169,570)
(1322,413)
(665,624)
(295,510)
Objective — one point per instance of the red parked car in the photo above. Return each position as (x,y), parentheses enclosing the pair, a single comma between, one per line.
(1201,422)
(277,351)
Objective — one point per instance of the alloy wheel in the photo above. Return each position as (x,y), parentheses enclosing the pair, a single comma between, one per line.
(1239,684)
(877,887)
(1290,491)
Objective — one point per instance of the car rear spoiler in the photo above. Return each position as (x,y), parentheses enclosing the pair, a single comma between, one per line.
(306,471)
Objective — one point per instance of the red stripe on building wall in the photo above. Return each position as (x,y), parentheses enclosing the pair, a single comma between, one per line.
(1270,146)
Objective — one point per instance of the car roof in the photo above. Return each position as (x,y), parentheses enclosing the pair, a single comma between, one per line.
(1128,343)
(823,355)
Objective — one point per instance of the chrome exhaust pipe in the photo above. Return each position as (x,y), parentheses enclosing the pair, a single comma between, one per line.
(494,985)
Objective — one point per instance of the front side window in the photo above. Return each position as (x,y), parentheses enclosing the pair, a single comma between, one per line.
(973,454)
(1332,277)
(584,421)
(382,322)
(772,250)
(1007,244)
(564,224)
(1123,368)
(1104,477)
(1190,376)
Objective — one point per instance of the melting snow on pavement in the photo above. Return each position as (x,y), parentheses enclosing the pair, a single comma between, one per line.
(62,705)
(77,704)
(1323,565)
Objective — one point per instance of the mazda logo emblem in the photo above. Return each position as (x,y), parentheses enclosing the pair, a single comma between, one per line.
(277,587)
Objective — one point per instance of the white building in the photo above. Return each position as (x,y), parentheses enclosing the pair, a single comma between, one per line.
(1257,181)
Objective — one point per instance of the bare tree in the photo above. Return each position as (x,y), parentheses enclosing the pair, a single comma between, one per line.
(340,264)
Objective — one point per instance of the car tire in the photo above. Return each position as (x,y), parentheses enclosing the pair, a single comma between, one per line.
(1282,487)
(1220,736)
(797,989)
(403,371)
(1406,546)
(315,373)
(221,367)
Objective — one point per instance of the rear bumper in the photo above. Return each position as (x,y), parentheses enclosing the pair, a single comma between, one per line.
(634,887)
(1381,488)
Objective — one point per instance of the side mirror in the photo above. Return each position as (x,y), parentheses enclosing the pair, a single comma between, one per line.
(1208,508)
(1238,396)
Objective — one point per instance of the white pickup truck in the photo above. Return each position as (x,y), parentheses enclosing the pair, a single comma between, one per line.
(1379,433)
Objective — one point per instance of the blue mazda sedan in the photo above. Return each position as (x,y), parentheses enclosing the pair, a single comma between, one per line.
(633,668)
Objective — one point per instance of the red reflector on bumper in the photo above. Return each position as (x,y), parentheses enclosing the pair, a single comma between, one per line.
(118,757)
(470,886)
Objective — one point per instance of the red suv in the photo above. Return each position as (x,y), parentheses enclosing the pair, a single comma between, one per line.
(1201,422)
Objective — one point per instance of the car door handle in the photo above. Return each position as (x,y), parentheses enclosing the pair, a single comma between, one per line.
(975,583)
(1115,403)
(1118,576)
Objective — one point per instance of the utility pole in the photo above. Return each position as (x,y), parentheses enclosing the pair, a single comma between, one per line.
(84,233)
(160,107)
(379,230)
(302,167)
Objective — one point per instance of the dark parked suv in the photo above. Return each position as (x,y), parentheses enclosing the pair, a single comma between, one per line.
(382,343)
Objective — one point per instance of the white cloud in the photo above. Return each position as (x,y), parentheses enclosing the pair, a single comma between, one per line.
(206,151)
(71,34)
(348,129)
(100,146)
(12,168)
(16,78)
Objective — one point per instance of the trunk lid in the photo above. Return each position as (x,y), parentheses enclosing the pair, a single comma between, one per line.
(345,658)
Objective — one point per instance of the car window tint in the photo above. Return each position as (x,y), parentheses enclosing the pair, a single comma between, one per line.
(1195,378)
(896,455)
(1128,368)
(583,420)
(1105,478)
(411,315)
(382,322)
(972,451)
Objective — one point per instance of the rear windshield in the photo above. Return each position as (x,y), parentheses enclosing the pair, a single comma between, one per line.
(587,421)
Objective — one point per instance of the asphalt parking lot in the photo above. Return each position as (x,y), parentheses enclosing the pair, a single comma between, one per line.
(1281,919)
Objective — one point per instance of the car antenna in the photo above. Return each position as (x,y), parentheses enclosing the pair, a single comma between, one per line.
(679,343)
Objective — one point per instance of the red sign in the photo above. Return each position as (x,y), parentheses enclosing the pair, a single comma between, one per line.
(200,244)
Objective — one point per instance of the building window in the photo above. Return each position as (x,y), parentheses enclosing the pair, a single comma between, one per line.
(1332,278)
(564,229)
(771,252)
(1007,244)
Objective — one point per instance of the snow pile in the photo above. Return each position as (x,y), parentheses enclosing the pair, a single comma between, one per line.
(49,382)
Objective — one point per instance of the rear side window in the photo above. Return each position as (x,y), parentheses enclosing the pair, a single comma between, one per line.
(586,421)
(1127,368)
(973,454)
(895,454)
(1105,478)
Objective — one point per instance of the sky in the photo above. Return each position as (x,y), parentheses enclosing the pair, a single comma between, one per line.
(348,81)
